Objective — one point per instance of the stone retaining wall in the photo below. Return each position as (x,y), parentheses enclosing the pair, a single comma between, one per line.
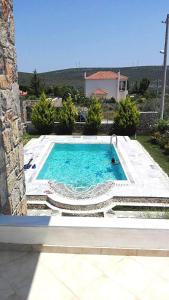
(12,186)
(147,121)
(78,128)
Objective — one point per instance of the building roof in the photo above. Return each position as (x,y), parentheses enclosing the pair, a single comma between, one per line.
(102,75)
(100,92)
(22,93)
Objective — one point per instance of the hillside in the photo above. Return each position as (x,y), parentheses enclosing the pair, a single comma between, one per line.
(75,76)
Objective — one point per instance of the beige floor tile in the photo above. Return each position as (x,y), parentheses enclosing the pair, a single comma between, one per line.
(32,276)
(105,289)
(6,290)
(46,286)
(164,273)
(104,261)
(158,290)
(154,264)
(55,261)
(131,275)
(78,274)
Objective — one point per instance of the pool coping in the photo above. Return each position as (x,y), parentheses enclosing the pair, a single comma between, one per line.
(78,140)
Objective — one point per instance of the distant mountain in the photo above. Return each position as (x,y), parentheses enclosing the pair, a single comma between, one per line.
(75,77)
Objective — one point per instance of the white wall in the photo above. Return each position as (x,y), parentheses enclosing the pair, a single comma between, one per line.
(109,86)
(86,232)
(122,95)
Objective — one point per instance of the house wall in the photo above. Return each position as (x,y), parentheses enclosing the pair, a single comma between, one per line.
(109,86)
(12,186)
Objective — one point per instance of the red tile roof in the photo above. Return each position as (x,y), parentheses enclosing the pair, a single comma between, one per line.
(100,92)
(102,75)
(22,93)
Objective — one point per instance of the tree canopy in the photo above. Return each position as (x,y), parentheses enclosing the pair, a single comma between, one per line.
(94,116)
(68,115)
(43,115)
(127,118)
(35,84)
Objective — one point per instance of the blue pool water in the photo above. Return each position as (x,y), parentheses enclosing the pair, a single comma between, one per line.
(82,165)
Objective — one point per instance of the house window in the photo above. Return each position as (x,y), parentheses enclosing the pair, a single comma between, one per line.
(122,85)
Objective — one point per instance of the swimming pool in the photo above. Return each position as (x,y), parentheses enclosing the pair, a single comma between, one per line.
(82,165)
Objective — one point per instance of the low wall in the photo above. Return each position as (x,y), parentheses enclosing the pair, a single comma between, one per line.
(78,128)
(147,120)
(135,237)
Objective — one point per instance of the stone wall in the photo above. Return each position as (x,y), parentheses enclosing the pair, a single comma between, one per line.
(12,186)
(79,127)
(147,120)
(26,109)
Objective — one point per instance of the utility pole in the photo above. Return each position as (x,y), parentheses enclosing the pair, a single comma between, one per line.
(164,67)
(157,92)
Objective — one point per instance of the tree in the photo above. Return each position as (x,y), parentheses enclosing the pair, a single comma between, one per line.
(94,116)
(43,115)
(57,91)
(135,88)
(126,118)
(35,84)
(68,115)
(144,84)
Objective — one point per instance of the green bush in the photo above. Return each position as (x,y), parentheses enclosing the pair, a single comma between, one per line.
(43,115)
(166,147)
(155,137)
(68,115)
(160,135)
(161,126)
(126,118)
(94,117)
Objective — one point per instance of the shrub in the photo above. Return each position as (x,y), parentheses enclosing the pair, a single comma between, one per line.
(163,141)
(43,115)
(126,118)
(94,117)
(160,135)
(68,115)
(161,126)
(155,137)
(166,147)
(32,97)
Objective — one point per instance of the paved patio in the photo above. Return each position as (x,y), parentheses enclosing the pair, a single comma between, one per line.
(34,276)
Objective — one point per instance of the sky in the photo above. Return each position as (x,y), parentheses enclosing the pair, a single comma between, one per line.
(61,34)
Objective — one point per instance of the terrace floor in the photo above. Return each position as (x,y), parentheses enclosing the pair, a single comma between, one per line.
(34,276)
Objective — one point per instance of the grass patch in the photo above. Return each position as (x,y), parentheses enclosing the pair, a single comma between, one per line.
(141,208)
(148,212)
(156,152)
(27,137)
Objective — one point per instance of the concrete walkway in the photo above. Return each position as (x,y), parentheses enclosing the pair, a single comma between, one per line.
(34,276)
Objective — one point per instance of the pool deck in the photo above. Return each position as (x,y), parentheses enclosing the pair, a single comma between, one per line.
(145,177)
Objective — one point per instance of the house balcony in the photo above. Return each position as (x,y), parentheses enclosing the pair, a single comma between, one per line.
(123,94)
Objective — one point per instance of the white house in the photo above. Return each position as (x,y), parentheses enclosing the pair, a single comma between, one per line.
(105,85)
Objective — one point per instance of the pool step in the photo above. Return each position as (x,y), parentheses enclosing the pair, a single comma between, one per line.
(94,209)
(78,206)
